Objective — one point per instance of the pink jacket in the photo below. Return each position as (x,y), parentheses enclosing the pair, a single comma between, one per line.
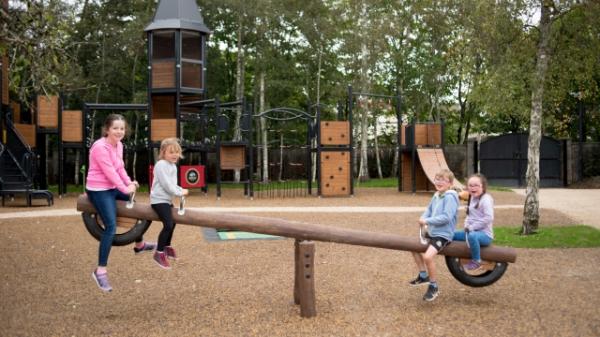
(107,169)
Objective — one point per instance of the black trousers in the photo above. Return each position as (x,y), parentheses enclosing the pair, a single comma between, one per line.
(166,234)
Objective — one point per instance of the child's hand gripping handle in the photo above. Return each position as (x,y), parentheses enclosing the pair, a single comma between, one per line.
(181,210)
(422,232)
(131,201)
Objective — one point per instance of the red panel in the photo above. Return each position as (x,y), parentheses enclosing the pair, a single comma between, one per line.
(192,176)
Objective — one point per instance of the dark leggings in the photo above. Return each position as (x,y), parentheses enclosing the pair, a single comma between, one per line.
(166,234)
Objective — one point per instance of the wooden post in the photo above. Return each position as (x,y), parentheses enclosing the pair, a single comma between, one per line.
(297,271)
(306,281)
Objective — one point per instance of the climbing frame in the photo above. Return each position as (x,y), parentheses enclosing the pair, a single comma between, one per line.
(335,173)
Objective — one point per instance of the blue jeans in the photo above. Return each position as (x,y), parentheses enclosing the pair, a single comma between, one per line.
(476,240)
(105,203)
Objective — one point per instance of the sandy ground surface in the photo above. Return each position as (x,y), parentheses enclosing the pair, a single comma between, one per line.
(245,288)
(581,204)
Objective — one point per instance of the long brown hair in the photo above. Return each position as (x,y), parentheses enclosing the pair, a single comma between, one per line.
(108,122)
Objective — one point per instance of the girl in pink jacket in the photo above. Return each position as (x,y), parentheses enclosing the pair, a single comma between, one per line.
(107,181)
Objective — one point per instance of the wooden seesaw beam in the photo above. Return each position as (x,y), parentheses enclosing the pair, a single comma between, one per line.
(301,230)
(304,248)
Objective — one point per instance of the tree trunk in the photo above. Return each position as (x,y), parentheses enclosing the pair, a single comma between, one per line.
(137,119)
(363,173)
(314,141)
(239,87)
(280,174)
(77,172)
(395,161)
(263,131)
(463,105)
(531,212)
(135,139)
(377,159)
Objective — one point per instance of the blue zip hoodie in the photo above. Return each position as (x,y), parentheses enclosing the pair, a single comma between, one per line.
(441,214)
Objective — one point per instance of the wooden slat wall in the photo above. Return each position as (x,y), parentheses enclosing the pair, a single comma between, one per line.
(163,107)
(434,134)
(47,110)
(72,126)
(422,183)
(191,75)
(163,128)
(403,138)
(233,157)
(28,133)
(420,134)
(16,111)
(163,74)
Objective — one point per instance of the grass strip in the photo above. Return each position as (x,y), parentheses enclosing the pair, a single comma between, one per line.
(579,236)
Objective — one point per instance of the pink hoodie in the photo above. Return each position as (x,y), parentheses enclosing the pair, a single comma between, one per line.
(107,169)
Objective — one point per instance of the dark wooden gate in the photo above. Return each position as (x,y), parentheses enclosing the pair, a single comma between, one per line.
(503,160)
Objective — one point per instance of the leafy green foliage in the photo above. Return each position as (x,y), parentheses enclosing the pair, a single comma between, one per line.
(470,62)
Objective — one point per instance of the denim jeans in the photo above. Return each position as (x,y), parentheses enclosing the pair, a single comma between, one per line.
(476,240)
(106,206)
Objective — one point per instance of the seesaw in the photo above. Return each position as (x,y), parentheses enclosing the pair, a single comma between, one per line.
(136,219)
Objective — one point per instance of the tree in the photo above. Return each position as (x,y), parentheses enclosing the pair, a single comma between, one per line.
(551,12)
(37,34)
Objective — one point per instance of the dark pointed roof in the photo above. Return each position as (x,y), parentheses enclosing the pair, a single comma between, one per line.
(178,14)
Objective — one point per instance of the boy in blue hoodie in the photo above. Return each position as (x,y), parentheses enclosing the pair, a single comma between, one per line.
(440,218)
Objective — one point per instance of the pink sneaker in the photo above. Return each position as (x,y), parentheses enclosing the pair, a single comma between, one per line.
(170,252)
(161,260)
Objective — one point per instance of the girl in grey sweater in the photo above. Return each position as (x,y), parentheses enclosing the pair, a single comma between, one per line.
(164,188)
(478,228)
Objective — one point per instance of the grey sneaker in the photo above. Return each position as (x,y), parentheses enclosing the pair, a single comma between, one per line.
(431,294)
(148,246)
(419,281)
(102,281)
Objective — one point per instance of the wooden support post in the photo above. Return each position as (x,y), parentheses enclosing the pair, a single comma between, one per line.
(297,269)
(305,278)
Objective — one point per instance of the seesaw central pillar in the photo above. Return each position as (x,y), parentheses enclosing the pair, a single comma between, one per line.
(304,281)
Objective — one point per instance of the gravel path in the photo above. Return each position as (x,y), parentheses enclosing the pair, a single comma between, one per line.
(244,288)
(581,204)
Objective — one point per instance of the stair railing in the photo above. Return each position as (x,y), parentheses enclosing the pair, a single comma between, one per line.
(19,150)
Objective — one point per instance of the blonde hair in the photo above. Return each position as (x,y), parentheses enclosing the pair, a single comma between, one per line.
(445,173)
(170,143)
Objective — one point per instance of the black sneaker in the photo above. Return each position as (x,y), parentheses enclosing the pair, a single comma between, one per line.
(431,294)
(419,281)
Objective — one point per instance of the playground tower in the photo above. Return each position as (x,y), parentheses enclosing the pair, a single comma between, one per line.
(177,65)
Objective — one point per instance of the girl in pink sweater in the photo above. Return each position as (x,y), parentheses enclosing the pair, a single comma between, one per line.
(107,181)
